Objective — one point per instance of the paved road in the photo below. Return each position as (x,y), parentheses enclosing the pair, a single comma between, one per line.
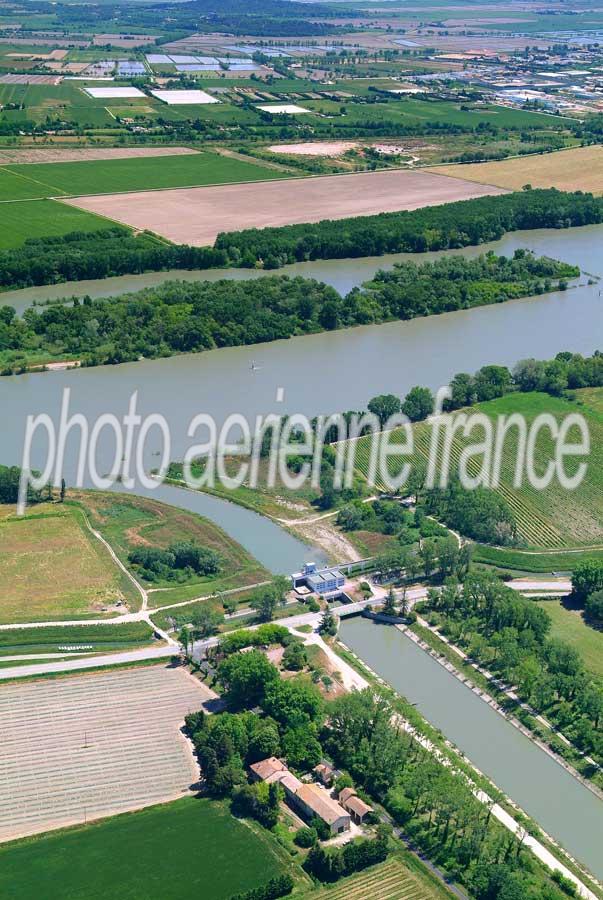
(75,665)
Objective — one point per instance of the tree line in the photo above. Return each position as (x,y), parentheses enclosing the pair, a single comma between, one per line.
(83,255)
(459,224)
(509,634)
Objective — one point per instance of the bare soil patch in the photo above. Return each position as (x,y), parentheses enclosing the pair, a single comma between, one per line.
(111,742)
(315,148)
(81,154)
(197,215)
(579,169)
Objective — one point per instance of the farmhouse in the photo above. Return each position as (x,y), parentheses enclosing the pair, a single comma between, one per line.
(314,801)
(358,809)
(310,799)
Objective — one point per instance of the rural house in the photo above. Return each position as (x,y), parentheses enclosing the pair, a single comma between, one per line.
(352,803)
(309,799)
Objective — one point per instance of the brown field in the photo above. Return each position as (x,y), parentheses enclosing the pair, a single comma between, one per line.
(53,155)
(197,215)
(579,169)
(82,747)
(51,567)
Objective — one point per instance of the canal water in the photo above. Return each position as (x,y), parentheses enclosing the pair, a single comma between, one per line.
(271,545)
(567,810)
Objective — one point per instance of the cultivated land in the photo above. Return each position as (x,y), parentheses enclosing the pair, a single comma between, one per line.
(52,567)
(42,218)
(551,518)
(390,880)
(130,522)
(56,179)
(569,626)
(189,848)
(84,747)
(80,154)
(197,216)
(579,169)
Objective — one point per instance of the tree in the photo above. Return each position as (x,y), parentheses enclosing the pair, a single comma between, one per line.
(246,677)
(418,404)
(389,607)
(295,657)
(305,837)
(491,382)
(269,597)
(293,703)
(587,578)
(328,623)
(593,608)
(529,375)
(427,552)
(206,620)
(301,748)
(384,406)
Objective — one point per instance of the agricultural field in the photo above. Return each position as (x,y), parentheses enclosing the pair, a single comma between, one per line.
(51,567)
(127,522)
(543,562)
(43,218)
(390,880)
(569,626)
(187,848)
(112,742)
(50,639)
(18,182)
(197,216)
(578,169)
(552,518)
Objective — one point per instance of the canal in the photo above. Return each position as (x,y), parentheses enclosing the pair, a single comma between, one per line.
(567,810)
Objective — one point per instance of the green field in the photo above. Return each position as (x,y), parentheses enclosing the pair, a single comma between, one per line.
(109,176)
(550,518)
(511,559)
(569,625)
(190,848)
(53,568)
(43,218)
(16,641)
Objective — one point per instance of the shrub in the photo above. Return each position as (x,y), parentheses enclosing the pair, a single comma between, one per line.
(306,837)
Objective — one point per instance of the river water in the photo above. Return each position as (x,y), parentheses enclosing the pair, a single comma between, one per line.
(315,374)
(566,809)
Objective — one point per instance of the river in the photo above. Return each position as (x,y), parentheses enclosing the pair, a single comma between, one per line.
(315,374)
(566,809)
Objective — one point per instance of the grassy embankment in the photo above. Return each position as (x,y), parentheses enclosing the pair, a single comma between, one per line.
(49,639)
(127,522)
